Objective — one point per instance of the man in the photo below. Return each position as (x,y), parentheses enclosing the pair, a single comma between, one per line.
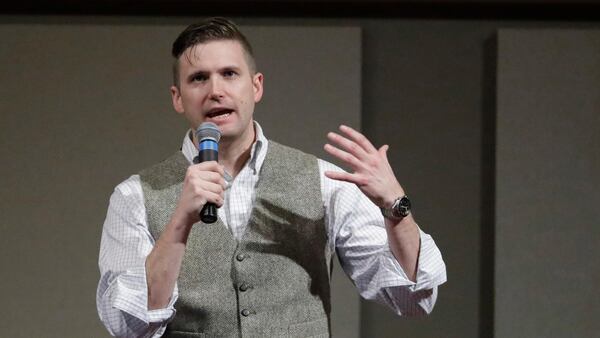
(263,268)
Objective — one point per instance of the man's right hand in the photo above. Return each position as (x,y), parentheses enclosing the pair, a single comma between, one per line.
(203,183)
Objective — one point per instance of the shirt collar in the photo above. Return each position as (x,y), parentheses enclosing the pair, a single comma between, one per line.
(257,153)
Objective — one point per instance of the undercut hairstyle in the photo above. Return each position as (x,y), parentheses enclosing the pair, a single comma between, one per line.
(211,29)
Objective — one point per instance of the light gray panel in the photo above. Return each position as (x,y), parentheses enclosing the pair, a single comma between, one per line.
(85,105)
(548,165)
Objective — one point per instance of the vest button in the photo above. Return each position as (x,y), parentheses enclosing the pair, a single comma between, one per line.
(245,312)
(244,287)
(240,257)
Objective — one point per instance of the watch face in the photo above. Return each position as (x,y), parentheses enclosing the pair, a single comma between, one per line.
(399,210)
(404,206)
(405,202)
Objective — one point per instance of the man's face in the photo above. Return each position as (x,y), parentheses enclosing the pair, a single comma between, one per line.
(216,85)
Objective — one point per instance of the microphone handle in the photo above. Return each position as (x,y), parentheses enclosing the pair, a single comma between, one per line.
(208,214)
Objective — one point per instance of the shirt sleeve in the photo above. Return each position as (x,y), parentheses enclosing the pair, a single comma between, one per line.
(122,294)
(358,235)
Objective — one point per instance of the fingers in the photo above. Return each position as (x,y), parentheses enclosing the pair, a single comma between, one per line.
(383,151)
(203,183)
(209,171)
(213,192)
(198,176)
(371,170)
(346,177)
(358,138)
(343,156)
(347,145)
(209,166)
(210,197)
(353,142)
(207,179)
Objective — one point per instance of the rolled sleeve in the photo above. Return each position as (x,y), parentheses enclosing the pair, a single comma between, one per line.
(409,298)
(431,270)
(358,235)
(123,307)
(122,294)
(129,293)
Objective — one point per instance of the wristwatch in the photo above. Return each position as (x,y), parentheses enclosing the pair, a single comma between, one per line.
(398,210)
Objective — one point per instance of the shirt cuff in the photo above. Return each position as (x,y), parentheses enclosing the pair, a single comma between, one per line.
(431,270)
(130,295)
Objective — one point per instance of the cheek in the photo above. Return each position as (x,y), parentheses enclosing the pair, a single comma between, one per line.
(185,98)
(194,95)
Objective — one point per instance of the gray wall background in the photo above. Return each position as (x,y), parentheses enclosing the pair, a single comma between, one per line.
(548,174)
(88,104)
(428,90)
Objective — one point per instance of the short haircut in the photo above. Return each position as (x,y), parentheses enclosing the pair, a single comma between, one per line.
(211,29)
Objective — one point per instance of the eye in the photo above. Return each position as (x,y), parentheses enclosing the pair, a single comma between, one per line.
(229,73)
(199,78)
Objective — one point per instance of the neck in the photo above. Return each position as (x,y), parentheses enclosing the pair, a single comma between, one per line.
(234,153)
(234,156)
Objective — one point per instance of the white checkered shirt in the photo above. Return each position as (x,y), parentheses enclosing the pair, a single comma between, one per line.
(356,233)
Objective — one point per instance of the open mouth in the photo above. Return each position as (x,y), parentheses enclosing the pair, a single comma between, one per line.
(219,113)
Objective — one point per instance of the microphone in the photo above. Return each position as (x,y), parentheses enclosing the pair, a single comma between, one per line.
(208,136)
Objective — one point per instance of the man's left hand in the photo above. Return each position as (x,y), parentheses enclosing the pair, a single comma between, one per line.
(372,171)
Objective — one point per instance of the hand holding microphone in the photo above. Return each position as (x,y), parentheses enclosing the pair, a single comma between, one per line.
(203,184)
(208,136)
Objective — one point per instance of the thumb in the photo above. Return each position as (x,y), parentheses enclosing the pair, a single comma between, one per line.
(383,150)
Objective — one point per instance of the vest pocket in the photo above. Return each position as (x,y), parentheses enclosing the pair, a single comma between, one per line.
(316,328)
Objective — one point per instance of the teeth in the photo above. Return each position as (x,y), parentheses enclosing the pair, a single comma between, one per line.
(221,116)
(218,113)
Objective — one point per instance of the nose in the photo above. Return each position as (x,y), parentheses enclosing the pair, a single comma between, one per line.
(216,89)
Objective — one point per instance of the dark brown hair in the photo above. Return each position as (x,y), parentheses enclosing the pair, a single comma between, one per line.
(211,29)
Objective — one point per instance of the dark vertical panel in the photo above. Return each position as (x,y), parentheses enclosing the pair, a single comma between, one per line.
(488,189)
(423,97)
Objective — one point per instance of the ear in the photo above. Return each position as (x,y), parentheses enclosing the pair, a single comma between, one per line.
(257,83)
(176,97)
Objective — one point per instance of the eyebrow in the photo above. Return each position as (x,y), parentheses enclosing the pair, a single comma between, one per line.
(236,68)
(220,70)
(196,73)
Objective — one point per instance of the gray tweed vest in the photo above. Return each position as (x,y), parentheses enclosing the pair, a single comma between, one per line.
(272,283)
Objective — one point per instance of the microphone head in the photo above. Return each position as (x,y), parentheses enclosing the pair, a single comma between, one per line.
(208,130)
